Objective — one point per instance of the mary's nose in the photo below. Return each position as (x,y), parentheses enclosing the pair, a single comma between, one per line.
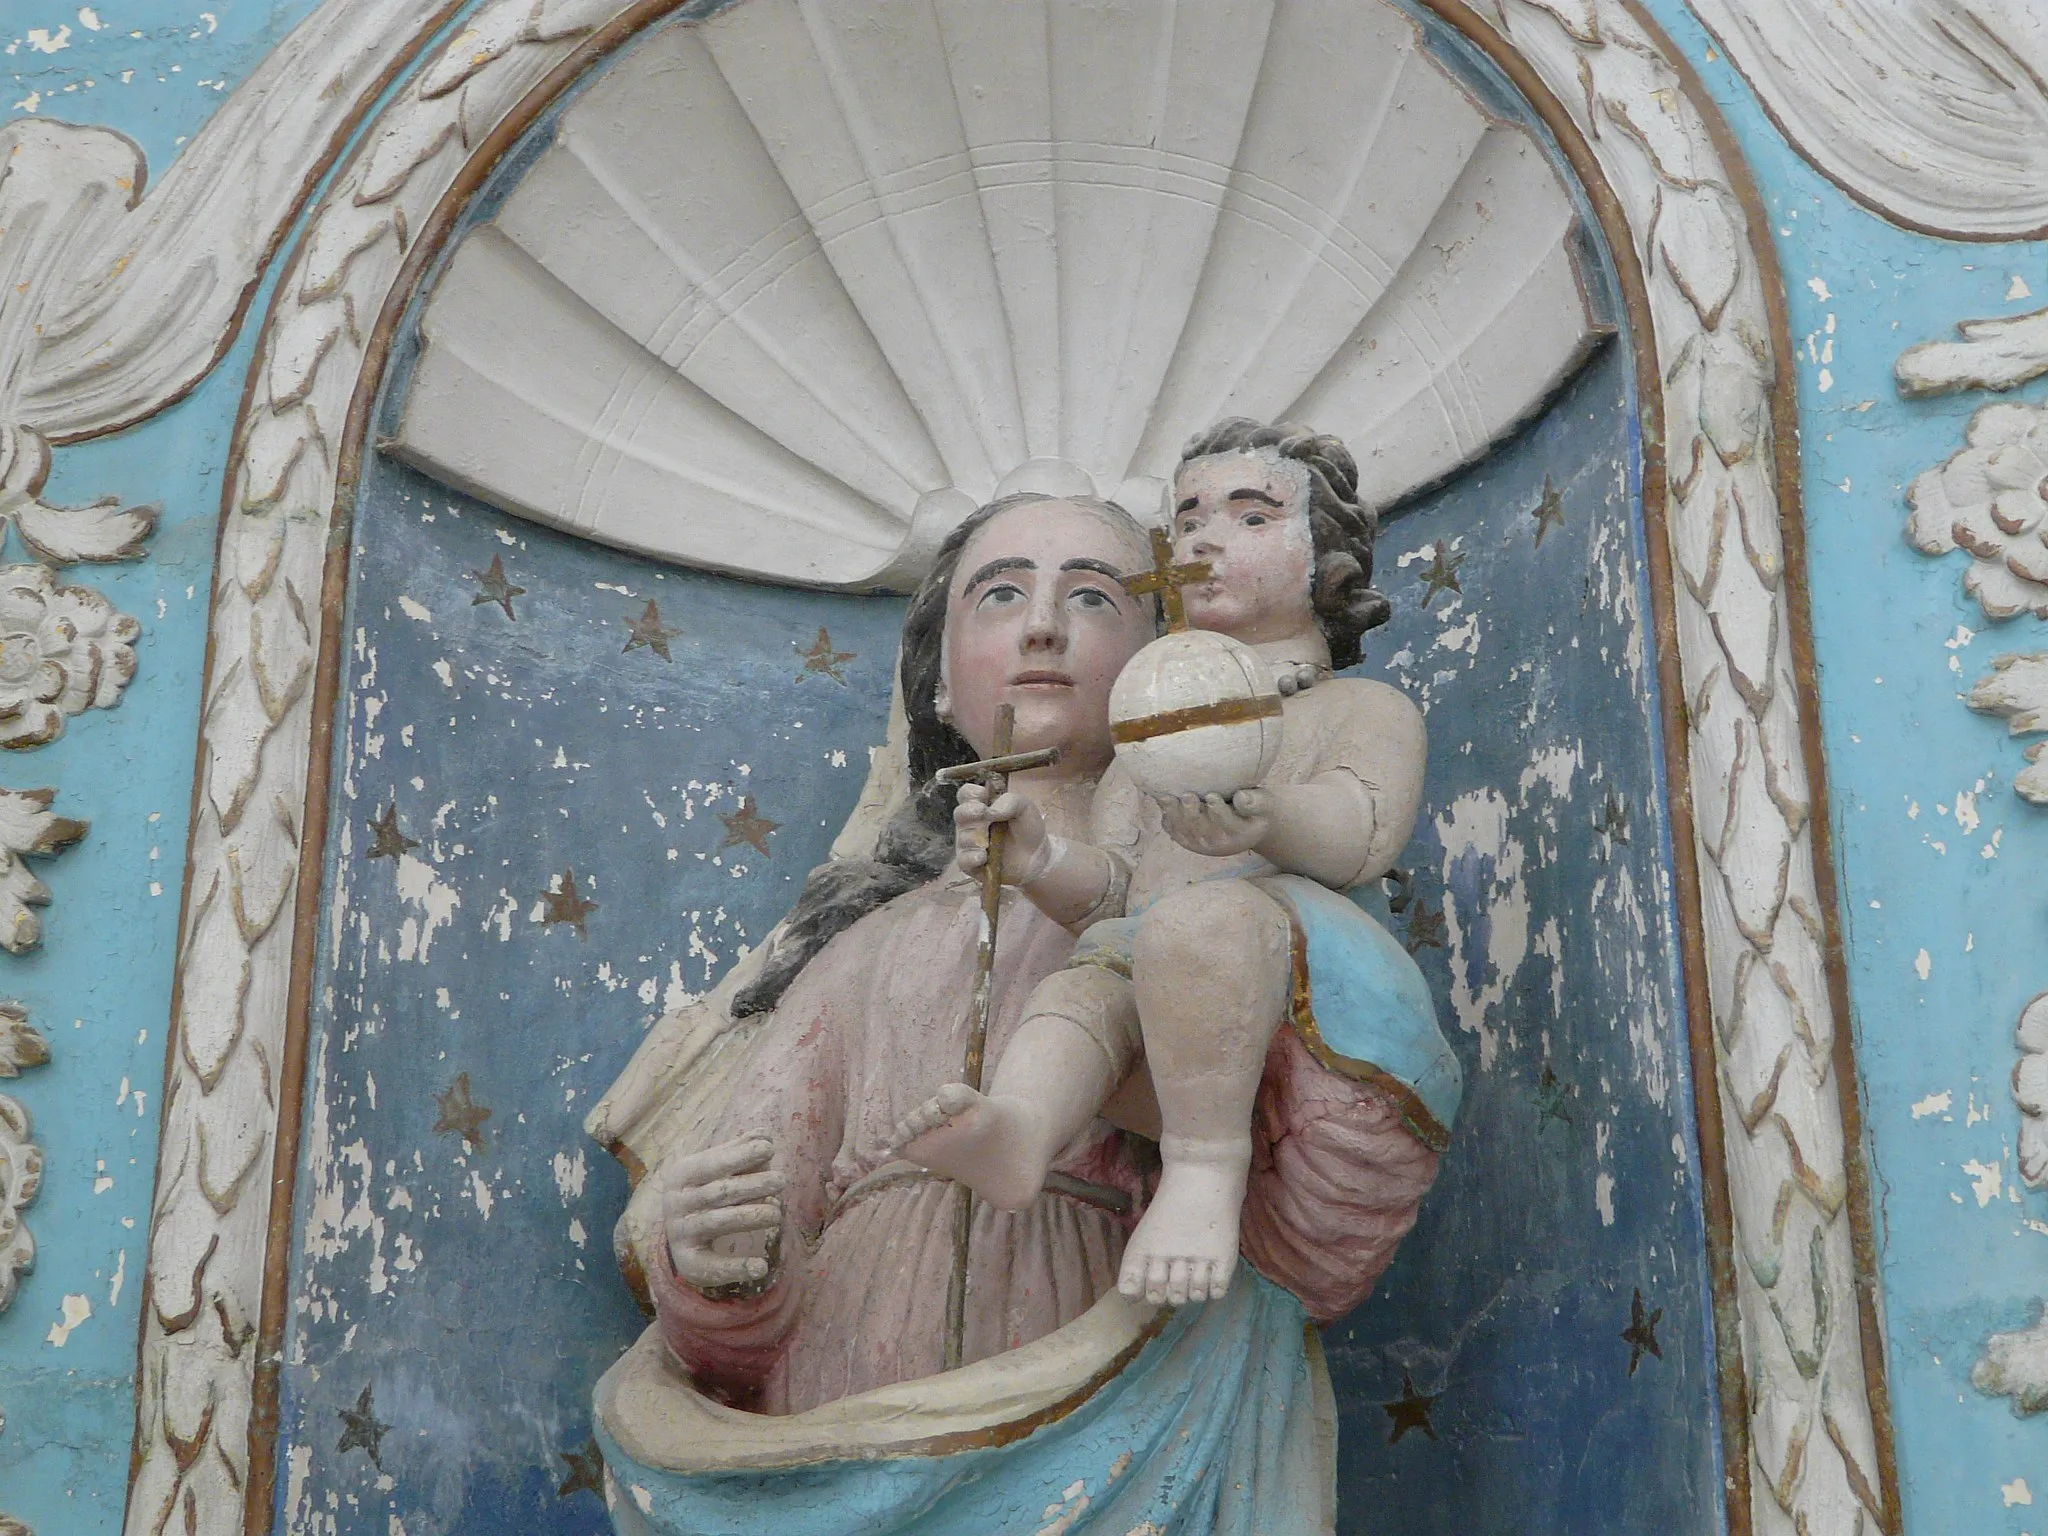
(1045,622)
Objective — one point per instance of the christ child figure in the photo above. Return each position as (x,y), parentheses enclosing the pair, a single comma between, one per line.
(1207,923)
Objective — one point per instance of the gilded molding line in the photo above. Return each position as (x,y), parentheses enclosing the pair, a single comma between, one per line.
(1815,1443)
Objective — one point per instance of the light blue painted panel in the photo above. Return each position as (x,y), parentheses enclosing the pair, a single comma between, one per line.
(100,987)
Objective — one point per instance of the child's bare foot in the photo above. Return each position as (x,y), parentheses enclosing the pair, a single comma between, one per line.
(1185,1248)
(989,1144)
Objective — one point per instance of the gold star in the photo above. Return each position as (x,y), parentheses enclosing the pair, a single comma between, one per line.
(565,904)
(1410,1411)
(496,588)
(744,826)
(648,630)
(1442,574)
(822,658)
(1551,1095)
(1641,1333)
(390,842)
(460,1113)
(586,1471)
(1549,512)
(363,1430)
(1425,927)
(1613,821)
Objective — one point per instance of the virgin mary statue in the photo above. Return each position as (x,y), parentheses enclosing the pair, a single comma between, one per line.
(802,286)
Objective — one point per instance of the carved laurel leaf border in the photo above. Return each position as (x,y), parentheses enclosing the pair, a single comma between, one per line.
(1807,1383)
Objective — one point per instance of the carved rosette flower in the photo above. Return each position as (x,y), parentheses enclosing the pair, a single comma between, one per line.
(1991,499)
(63,650)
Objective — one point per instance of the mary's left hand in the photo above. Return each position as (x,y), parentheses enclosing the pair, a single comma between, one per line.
(1218,825)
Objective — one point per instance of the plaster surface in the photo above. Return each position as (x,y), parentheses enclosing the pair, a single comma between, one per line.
(1898,643)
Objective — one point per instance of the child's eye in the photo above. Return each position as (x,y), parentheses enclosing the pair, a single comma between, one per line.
(1255,520)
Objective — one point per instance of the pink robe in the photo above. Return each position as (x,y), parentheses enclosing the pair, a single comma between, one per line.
(874,1025)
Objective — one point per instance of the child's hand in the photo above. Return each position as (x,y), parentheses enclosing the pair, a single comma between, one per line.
(1216,825)
(972,817)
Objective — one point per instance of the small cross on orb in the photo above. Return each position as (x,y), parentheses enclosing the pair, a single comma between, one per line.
(1167,579)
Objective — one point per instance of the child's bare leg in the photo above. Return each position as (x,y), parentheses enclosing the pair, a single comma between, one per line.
(1079,1039)
(1213,969)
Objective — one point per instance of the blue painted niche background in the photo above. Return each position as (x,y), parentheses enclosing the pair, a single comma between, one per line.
(454,1297)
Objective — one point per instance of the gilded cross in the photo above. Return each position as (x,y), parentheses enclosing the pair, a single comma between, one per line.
(1167,579)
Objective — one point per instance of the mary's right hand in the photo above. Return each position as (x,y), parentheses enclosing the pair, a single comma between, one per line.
(722,1191)
(974,814)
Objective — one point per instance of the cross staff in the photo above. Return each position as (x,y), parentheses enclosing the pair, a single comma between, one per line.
(1167,579)
(994,774)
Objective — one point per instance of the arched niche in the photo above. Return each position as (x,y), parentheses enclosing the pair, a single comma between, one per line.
(1618,861)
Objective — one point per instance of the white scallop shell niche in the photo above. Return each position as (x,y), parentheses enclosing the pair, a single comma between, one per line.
(796,287)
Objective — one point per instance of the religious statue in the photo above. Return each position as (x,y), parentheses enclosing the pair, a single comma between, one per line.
(847,1338)
(1205,918)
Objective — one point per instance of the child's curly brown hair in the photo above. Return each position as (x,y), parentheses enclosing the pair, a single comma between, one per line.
(1343,527)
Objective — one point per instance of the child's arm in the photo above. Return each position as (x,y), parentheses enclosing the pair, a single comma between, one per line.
(1345,825)
(1073,883)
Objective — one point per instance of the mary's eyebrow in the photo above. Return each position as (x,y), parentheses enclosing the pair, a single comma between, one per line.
(1251,493)
(1083,563)
(996,568)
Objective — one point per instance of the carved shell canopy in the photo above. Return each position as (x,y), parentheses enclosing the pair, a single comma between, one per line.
(797,287)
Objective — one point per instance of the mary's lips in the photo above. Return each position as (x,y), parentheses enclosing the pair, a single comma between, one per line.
(1042,676)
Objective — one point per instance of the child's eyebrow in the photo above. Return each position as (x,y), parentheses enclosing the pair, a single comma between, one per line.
(1189,505)
(1250,493)
(996,568)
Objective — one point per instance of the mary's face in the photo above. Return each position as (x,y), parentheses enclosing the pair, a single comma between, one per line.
(1037,619)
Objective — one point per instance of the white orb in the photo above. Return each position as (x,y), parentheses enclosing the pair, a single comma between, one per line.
(1195,713)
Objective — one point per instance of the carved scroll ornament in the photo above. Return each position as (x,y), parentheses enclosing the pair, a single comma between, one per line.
(1814,1439)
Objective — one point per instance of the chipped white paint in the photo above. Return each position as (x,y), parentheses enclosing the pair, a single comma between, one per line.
(434,902)
(1933,1104)
(2016,1492)
(1986,1179)
(77,1312)
(1474,833)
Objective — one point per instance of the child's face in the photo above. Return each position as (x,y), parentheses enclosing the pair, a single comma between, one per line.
(1247,515)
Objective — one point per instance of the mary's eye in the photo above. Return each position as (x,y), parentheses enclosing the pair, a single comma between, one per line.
(1091,599)
(1001,595)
